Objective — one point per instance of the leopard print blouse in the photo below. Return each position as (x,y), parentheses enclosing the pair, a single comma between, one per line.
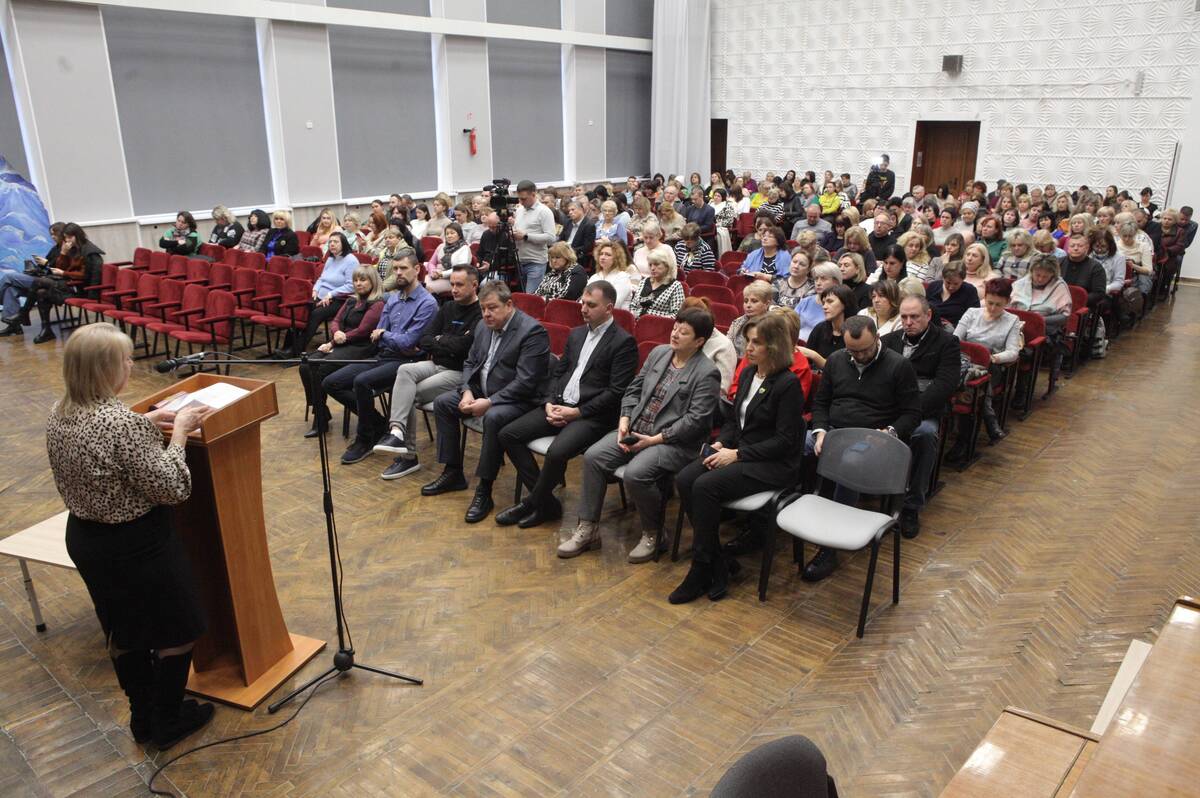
(109,463)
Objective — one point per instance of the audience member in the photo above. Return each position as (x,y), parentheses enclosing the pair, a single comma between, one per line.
(323,228)
(718,348)
(1000,331)
(440,216)
(1138,252)
(419,223)
(1169,253)
(651,242)
(884,309)
(608,226)
(586,387)
(882,236)
(453,251)
(565,278)
(661,294)
(579,233)
(854,277)
(700,213)
(837,304)
(534,231)
(257,227)
(612,267)
(1079,268)
(1014,263)
(329,292)
(1044,292)
(797,283)
(503,377)
(1104,251)
(666,412)
(280,240)
(227,230)
(952,295)
(893,266)
(856,241)
(812,221)
(811,310)
(182,238)
(770,259)
(977,266)
(757,298)
(692,251)
(671,222)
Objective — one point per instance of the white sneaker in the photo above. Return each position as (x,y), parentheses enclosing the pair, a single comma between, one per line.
(644,550)
(586,536)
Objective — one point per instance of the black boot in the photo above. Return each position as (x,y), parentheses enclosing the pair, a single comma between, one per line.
(13,328)
(822,565)
(995,432)
(694,585)
(719,585)
(174,718)
(135,674)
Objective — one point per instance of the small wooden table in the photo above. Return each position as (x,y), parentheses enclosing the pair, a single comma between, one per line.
(44,542)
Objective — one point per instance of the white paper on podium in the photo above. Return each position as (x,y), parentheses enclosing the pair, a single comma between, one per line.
(216,396)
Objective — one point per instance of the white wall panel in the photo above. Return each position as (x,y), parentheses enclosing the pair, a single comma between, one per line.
(468,105)
(63,53)
(1053,86)
(12,143)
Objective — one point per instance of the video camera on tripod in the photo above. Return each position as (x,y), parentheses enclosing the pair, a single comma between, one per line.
(503,258)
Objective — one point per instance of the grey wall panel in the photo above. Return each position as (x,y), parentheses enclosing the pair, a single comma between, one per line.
(629,18)
(536,13)
(627,85)
(527,109)
(12,144)
(468,107)
(62,48)
(306,112)
(191,110)
(417,7)
(383,91)
(591,119)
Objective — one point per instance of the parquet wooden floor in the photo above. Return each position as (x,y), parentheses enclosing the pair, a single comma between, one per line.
(1033,572)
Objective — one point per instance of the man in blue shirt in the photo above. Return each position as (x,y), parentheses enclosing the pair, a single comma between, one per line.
(407,312)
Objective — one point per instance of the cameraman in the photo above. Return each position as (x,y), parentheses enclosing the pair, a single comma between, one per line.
(534,231)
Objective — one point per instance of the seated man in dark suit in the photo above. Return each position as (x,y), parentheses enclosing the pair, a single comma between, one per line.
(585,397)
(864,385)
(933,352)
(666,413)
(502,379)
(579,232)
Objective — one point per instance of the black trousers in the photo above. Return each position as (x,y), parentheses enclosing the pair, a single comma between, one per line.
(355,385)
(314,372)
(317,315)
(449,432)
(569,441)
(702,492)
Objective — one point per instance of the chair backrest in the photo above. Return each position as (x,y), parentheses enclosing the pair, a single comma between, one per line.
(744,225)
(653,328)
(717,293)
(532,304)
(303,237)
(1079,297)
(159,261)
(698,277)
(366,257)
(279,264)
(219,303)
(253,260)
(723,315)
(296,289)
(198,269)
(147,286)
(564,311)
(220,275)
(214,251)
(232,257)
(168,291)
(1033,324)
(558,336)
(141,258)
(267,284)
(311,252)
(979,354)
(644,350)
(865,460)
(429,244)
(303,269)
(783,768)
(625,319)
(177,266)
(127,279)
(108,275)
(194,296)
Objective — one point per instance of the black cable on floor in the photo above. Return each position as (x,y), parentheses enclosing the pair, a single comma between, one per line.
(246,736)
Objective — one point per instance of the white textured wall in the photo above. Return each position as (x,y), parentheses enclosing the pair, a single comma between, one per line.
(1050,83)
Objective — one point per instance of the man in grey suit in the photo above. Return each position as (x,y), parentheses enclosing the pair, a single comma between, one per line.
(502,379)
(666,414)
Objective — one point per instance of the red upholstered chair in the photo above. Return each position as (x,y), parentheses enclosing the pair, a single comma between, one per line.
(743,225)
(220,277)
(970,401)
(211,329)
(214,251)
(170,298)
(730,262)
(190,307)
(644,350)
(141,259)
(253,260)
(566,312)
(303,237)
(280,264)
(558,337)
(197,271)
(311,253)
(125,285)
(653,328)
(624,318)
(723,315)
(429,244)
(232,257)
(303,270)
(1078,326)
(532,304)
(698,277)
(737,284)
(177,267)
(158,262)
(717,293)
(108,282)
(1034,332)
(364,257)
(128,303)
(290,313)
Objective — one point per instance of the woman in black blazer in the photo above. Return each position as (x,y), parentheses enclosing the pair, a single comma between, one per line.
(760,448)
(281,240)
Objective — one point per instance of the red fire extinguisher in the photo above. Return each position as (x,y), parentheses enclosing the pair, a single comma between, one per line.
(470,131)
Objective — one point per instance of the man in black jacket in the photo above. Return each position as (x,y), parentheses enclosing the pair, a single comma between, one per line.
(933,352)
(864,385)
(579,232)
(586,386)
(1081,269)
(446,340)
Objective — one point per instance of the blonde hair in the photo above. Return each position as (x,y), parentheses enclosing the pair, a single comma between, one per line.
(444,199)
(1044,238)
(912,286)
(285,215)
(791,317)
(860,266)
(332,221)
(371,275)
(561,249)
(764,291)
(923,256)
(93,366)
(620,262)
(658,256)
(222,214)
(984,271)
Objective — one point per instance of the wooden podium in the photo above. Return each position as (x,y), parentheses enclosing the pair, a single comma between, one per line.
(247,651)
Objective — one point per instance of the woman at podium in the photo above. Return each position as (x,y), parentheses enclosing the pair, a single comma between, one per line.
(117,480)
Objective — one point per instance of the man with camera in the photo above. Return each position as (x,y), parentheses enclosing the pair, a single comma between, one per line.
(533,230)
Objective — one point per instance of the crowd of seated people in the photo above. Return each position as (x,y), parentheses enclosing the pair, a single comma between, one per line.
(874,293)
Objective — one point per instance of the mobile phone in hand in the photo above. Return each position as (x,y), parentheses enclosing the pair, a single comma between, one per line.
(629,440)
(707,452)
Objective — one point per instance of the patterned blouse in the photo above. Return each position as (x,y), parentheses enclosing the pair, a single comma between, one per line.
(666,300)
(566,284)
(109,463)
(644,424)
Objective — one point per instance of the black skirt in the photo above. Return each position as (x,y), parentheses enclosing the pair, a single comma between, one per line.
(140,580)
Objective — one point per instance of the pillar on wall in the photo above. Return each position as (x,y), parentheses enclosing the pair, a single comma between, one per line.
(462,100)
(1185,183)
(584,95)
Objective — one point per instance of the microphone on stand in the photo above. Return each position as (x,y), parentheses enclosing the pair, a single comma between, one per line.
(172,363)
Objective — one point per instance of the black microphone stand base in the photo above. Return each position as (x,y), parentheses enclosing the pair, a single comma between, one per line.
(343,661)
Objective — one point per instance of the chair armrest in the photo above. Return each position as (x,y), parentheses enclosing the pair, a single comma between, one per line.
(298,304)
(1036,342)
(161,305)
(268,298)
(120,263)
(188,312)
(220,286)
(243,291)
(978,381)
(196,281)
(127,292)
(214,319)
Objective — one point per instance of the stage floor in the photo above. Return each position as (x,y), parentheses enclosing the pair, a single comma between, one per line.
(1032,573)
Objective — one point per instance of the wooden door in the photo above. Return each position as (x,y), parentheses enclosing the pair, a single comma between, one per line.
(945,152)
(719,137)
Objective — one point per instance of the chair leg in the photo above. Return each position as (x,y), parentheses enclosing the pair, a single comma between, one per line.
(621,491)
(866,602)
(896,565)
(768,557)
(798,552)
(678,535)
(428,426)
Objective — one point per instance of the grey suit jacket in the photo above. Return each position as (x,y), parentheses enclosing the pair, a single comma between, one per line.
(521,366)
(686,416)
